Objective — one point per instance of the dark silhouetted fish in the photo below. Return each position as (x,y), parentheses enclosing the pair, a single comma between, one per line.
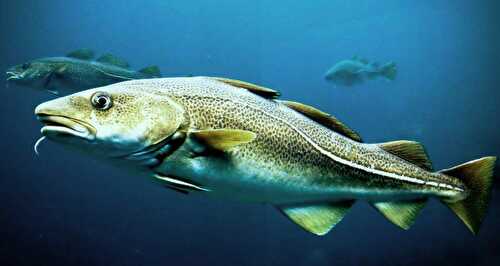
(75,72)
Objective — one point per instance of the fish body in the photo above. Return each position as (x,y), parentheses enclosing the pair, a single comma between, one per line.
(231,139)
(75,72)
(356,71)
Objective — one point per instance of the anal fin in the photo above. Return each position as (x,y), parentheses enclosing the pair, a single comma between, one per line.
(410,151)
(318,219)
(400,213)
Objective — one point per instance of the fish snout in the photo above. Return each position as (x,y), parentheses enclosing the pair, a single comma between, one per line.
(57,123)
(13,75)
(43,109)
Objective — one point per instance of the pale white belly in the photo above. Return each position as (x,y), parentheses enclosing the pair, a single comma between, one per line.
(247,182)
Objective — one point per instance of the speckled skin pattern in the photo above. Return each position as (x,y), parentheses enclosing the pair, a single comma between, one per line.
(284,163)
(292,159)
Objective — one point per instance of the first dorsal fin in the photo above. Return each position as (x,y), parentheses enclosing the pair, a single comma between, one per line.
(324,119)
(411,151)
(259,90)
(83,54)
(400,213)
(318,219)
(113,60)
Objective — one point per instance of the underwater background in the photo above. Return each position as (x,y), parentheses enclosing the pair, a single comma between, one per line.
(62,208)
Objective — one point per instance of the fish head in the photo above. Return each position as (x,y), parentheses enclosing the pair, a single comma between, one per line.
(112,121)
(35,74)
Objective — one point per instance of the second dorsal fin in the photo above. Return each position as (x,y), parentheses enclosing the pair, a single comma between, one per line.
(113,60)
(411,151)
(153,71)
(259,90)
(83,54)
(324,119)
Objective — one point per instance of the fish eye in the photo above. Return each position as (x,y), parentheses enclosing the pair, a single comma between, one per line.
(26,66)
(101,100)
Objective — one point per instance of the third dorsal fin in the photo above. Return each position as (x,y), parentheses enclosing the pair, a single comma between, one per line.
(411,151)
(259,90)
(324,119)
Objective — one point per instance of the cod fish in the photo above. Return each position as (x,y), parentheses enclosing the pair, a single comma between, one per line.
(235,140)
(357,70)
(76,72)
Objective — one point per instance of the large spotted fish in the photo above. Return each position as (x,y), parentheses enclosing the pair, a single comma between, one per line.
(235,140)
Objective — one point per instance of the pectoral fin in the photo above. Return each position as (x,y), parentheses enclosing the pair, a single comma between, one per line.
(400,213)
(318,219)
(115,76)
(53,91)
(220,139)
(61,70)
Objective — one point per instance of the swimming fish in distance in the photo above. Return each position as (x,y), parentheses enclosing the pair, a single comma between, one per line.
(76,72)
(235,140)
(358,70)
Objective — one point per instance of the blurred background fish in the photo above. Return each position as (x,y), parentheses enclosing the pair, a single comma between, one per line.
(357,70)
(75,72)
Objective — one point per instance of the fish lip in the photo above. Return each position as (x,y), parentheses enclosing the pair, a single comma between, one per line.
(60,125)
(11,75)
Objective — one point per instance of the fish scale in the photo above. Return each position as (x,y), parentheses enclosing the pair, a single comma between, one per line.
(238,141)
(213,105)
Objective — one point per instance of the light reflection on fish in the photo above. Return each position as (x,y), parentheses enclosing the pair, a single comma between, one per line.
(235,140)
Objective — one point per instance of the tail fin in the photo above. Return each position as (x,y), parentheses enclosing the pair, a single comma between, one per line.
(153,71)
(478,177)
(389,71)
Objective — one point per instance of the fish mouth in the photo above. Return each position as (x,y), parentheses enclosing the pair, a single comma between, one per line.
(11,75)
(58,126)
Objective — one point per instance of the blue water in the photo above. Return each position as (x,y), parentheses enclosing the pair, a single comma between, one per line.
(65,209)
